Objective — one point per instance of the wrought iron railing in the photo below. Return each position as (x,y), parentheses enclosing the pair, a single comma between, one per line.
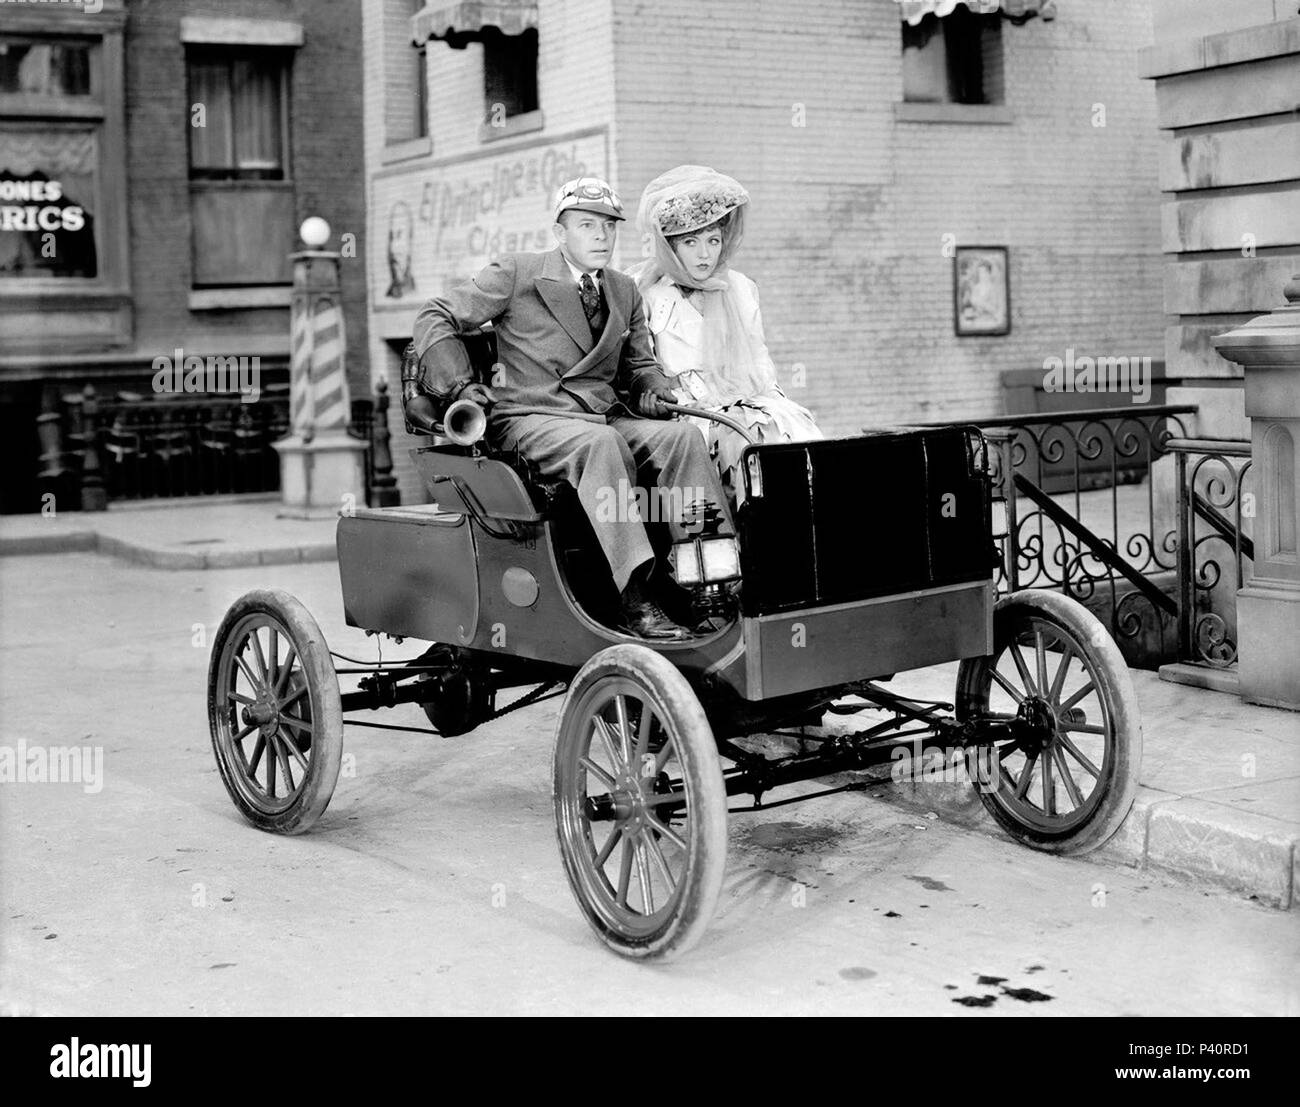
(131,447)
(152,449)
(1107,457)
(1214,513)
(1078,507)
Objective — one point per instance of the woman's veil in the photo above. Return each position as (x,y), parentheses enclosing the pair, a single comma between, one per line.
(688,198)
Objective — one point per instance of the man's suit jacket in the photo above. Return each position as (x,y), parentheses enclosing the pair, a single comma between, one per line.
(549,361)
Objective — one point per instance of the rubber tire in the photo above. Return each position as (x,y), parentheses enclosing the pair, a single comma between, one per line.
(326,711)
(1092,641)
(681,713)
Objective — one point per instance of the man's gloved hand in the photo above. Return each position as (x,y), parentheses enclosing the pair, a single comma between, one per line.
(481,394)
(650,402)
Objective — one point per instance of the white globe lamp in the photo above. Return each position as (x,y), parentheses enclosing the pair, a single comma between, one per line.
(315,232)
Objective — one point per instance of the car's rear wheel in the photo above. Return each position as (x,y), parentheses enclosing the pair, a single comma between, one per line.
(1068,782)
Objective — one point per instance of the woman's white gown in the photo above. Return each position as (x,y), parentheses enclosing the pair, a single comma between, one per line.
(771,416)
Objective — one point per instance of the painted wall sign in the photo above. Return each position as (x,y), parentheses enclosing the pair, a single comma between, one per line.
(434,224)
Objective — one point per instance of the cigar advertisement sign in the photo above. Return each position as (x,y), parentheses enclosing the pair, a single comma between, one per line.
(434,223)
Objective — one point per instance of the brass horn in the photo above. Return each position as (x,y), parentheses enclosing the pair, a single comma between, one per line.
(464,422)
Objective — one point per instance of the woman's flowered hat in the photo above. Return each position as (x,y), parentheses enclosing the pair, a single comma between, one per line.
(699,204)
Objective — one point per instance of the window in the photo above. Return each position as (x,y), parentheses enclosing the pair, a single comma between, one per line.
(49,167)
(65,273)
(953,60)
(406,80)
(44,67)
(422,93)
(48,196)
(237,110)
(241,192)
(509,74)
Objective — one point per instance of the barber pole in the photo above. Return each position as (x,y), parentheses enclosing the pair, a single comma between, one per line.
(329,386)
(322,465)
(318,388)
(300,352)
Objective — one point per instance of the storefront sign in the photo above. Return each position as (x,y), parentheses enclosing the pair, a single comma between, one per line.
(436,225)
(47,201)
(36,205)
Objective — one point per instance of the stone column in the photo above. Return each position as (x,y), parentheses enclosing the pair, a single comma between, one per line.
(321,466)
(1225,78)
(1268,606)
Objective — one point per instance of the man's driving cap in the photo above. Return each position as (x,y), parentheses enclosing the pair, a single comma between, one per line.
(588,194)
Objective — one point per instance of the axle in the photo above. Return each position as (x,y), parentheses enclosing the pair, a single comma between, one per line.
(389,687)
(754,774)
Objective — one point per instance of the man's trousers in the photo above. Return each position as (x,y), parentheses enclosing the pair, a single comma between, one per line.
(608,462)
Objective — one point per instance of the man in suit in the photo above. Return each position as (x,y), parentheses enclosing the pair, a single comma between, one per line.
(576,387)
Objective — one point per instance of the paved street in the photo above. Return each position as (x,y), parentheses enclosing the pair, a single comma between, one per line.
(433,884)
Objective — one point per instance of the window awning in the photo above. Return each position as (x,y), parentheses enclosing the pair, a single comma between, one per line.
(456,22)
(913,11)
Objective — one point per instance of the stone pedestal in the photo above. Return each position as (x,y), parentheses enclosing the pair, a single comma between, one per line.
(322,474)
(1268,606)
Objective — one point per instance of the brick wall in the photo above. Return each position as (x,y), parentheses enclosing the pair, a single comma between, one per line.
(849,211)
(575,91)
(385,61)
(400,71)
(327,163)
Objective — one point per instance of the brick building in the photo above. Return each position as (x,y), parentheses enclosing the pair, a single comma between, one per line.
(873,148)
(189,138)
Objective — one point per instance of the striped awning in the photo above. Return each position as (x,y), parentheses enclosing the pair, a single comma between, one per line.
(914,11)
(456,22)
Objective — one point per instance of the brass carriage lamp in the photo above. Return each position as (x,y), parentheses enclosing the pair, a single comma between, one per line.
(705,560)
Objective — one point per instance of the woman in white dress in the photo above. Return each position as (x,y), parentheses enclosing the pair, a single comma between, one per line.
(704,317)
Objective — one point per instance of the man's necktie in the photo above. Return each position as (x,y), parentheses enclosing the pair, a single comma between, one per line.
(591,303)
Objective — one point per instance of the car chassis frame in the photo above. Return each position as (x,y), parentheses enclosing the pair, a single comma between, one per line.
(1051,742)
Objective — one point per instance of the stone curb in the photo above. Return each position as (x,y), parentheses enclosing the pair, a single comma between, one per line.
(1195,840)
(1247,853)
(74,541)
(156,558)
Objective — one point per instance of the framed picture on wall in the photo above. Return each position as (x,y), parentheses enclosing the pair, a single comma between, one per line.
(981,290)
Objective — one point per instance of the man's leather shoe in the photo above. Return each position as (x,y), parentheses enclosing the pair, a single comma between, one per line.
(645,618)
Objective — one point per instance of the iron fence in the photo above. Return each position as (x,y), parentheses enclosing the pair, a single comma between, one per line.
(132,447)
(1083,505)
(1214,513)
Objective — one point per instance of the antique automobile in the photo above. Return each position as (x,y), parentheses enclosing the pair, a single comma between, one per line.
(798,615)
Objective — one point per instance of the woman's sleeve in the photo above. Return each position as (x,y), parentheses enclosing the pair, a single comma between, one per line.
(766,367)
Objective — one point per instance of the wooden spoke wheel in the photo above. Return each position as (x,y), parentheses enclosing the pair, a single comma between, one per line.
(274,712)
(640,805)
(1067,783)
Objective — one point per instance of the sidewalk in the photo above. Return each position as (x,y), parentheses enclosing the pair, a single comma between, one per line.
(1219,803)
(223,534)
